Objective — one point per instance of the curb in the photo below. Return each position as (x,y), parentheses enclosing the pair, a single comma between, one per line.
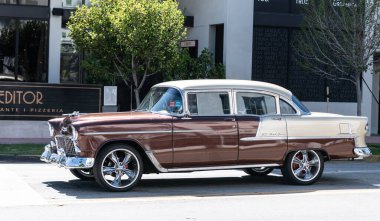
(12,158)
(373,159)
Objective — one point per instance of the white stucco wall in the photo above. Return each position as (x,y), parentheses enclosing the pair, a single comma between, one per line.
(344,108)
(237,17)
(16,129)
(55,35)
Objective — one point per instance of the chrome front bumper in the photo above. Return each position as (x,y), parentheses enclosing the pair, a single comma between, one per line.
(62,160)
(362,151)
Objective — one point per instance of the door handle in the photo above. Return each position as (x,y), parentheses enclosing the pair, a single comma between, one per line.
(276,118)
(230,119)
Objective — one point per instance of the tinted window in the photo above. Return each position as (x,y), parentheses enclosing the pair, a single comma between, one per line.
(285,108)
(209,103)
(255,103)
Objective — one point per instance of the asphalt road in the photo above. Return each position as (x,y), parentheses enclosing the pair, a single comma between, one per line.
(348,190)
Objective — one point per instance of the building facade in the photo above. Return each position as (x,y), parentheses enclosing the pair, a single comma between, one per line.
(251,37)
(256,45)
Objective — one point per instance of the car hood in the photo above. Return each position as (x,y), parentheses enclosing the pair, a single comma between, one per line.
(107,118)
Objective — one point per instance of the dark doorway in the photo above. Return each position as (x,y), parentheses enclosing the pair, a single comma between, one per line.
(219,43)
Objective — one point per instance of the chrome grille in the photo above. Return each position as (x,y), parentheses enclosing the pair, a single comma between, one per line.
(65,143)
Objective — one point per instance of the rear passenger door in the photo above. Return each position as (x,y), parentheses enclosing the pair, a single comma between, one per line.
(262,130)
(208,136)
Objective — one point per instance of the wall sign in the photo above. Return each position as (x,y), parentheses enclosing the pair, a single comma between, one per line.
(189,44)
(45,101)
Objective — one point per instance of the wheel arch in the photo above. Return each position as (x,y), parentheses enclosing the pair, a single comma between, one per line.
(323,152)
(148,165)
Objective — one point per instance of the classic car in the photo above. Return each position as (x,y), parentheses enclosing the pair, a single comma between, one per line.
(198,125)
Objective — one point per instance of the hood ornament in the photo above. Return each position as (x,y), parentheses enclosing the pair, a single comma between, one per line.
(73,114)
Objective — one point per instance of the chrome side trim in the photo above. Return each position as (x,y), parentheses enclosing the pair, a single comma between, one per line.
(143,132)
(222,167)
(155,162)
(323,137)
(127,132)
(173,170)
(191,131)
(259,127)
(247,139)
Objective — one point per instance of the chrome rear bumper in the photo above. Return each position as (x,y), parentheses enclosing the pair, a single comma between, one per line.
(62,160)
(362,151)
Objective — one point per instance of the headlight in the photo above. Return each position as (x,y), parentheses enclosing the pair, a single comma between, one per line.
(51,130)
(74,133)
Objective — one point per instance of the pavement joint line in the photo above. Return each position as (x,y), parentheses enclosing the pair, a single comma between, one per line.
(351,171)
(209,197)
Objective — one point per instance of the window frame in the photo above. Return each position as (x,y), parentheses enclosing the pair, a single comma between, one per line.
(192,91)
(276,96)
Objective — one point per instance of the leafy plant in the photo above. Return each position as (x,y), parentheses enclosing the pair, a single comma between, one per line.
(202,67)
(128,39)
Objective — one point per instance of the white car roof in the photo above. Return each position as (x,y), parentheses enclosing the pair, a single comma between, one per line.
(226,84)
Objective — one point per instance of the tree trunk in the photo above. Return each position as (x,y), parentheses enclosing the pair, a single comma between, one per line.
(137,96)
(359,95)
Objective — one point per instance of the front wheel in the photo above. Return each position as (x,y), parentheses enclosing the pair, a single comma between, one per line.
(258,171)
(303,167)
(118,168)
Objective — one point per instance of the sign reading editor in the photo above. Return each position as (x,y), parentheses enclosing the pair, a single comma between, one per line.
(43,101)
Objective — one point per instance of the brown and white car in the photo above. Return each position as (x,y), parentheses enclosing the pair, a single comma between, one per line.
(205,125)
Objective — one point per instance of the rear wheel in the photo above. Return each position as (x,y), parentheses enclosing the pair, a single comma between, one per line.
(118,168)
(259,171)
(303,167)
(83,174)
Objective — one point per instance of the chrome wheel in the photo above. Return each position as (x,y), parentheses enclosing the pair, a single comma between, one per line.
(306,165)
(118,168)
(303,167)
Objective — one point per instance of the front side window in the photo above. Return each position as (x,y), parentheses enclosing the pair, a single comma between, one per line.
(209,103)
(162,100)
(249,103)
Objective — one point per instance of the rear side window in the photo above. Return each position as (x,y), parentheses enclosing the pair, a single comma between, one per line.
(209,103)
(249,103)
(286,108)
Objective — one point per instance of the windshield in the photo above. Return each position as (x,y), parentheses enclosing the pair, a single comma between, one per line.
(300,105)
(162,100)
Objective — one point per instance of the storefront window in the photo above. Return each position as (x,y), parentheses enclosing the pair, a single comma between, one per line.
(8,2)
(7,49)
(26,2)
(33,46)
(69,63)
(23,50)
